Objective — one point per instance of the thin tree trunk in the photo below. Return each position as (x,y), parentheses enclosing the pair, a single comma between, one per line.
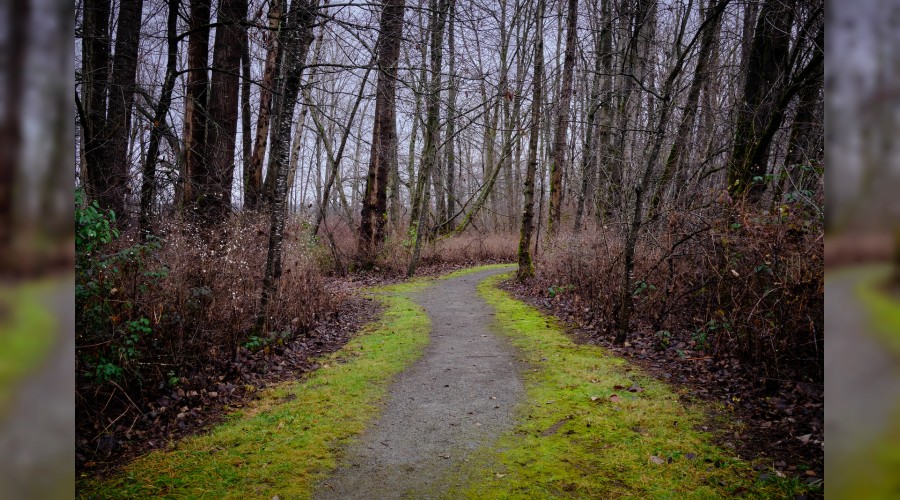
(296,41)
(11,124)
(675,161)
(526,266)
(253,189)
(432,130)
(559,156)
(246,141)
(451,118)
(95,74)
(148,181)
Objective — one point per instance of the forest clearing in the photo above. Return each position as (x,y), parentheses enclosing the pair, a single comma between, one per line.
(450,248)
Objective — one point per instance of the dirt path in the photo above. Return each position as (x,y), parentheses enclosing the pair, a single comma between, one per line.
(863,379)
(461,395)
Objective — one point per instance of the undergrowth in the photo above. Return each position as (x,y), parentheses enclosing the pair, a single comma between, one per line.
(594,426)
(288,440)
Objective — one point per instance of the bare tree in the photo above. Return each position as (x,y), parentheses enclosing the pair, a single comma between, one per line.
(384,133)
(526,266)
(432,130)
(559,153)
(296,39)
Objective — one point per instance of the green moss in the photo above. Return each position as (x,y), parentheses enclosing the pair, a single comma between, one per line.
(291,438)
(884,308)
(27,331)
(573,440)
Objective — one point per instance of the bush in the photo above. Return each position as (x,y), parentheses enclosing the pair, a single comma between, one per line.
(731,280)
(151,314)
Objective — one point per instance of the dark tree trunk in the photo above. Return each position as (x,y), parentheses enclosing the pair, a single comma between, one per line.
(221,130)
(526,266)
(558,158)
(297,36)
(384,134)
(767,67)
(148,181)
(195,113)
(95,77)
(121,98)
(11,124)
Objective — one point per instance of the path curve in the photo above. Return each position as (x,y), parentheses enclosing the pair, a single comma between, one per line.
(460,396)
(862,387)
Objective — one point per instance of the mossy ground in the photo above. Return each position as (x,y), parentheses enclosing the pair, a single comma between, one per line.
(884,307)
(27,332)
(576,440)
(289,439)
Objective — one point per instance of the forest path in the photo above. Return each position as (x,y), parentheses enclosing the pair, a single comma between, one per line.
(863,377)
(460,396)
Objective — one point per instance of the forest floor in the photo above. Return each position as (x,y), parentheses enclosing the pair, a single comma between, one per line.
(458,391)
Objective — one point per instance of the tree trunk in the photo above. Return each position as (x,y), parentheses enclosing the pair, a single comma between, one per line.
(253,190)
(450,163)
(766,70)
(675,160)
(95,75)
(559,155)
(148,181)
(605,121)
(215,196)
(384,134)
(246,140)
(626,293)
(296,38)
(121,99)
(432,130)
(526,266)
(15,45)
(195,111)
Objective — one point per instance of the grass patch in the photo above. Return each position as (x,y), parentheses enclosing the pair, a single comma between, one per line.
(881,305)
(291,438)
(576,439)
(27,331)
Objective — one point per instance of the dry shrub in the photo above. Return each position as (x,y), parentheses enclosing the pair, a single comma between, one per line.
(190,299)
(732,281)
(471,248)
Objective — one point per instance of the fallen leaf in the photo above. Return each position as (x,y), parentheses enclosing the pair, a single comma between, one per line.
(445,457)
(595,398)
(615,398)
(657,460)
(618,387)
(804,438)
(500,475)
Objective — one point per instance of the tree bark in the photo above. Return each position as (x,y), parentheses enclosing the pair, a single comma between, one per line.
(195,111)
(121,99)
(95,78)
(384,134)
(526,266)
(215,192)
(253,190)
(450,163)
(559,155)
(296,38)
(766,70)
